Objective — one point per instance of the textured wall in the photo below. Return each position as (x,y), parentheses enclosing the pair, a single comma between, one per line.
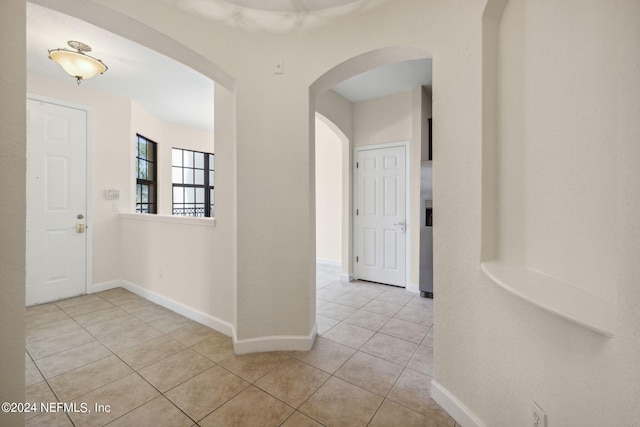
(558,158)
(328,194)
(492,351)
(109,141)
(12,206)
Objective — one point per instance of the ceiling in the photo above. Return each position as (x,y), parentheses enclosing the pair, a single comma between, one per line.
(388,80)
(170,90)
(273,16)
(291,5)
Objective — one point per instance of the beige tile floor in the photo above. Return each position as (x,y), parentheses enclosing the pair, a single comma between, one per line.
(370,366)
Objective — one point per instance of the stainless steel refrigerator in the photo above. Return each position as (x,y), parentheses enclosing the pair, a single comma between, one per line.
(426,231)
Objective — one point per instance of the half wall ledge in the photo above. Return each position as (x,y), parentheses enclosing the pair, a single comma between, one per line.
(556,296)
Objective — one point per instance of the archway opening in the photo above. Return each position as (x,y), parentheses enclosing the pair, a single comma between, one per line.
(400,115)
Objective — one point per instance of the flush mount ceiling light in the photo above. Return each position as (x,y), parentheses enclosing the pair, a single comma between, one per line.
(77,63)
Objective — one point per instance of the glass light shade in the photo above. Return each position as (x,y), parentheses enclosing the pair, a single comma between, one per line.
(77,64)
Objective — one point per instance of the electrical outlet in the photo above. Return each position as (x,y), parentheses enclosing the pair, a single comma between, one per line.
(539,418)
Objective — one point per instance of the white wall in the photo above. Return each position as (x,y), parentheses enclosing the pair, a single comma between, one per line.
(393,118)
(188,263)
(556,159)
(562,227)
(328,194)
(183,259)
(167,136)
(13,172)
(338,110)
(383,120)
(337,113)
(492,351)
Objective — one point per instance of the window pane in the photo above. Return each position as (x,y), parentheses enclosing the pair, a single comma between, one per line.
(178,195)
(211,192)
(199,160)
(211,178)
(146,170)
(189,195)
(188,176)
(176,175)
(145,193)
(142,169)
(199,179)
(200,195)
(176,157)
(142,148)
(211,162)
(188,158)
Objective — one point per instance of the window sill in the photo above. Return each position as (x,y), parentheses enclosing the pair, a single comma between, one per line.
(185,220)
(561,298)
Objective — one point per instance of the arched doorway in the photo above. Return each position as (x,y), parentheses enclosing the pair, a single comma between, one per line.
(403,118)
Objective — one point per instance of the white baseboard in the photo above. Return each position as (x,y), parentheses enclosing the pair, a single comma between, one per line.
(99,287)
(328,262)
(273,343)
(454,407)
(173,305)
(413,287)
(252,345)
(346,277)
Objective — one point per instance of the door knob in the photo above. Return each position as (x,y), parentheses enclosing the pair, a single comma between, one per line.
(80,227)
(401,224)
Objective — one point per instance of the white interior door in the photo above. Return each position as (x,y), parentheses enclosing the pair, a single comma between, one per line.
(380,221)
(56,202)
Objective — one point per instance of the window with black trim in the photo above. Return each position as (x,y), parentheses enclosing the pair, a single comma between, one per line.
(193,183)
(146,175)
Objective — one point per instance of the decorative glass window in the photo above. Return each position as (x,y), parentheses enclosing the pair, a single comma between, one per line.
(193,183)
(146,176)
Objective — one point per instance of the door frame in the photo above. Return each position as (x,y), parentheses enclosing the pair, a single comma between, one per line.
(407,189)
(89,178)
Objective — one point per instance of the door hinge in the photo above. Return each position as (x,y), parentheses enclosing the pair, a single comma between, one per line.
(356,259)
(357,212)
(357,165)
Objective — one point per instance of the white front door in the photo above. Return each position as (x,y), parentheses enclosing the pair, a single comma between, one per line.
(56,202)
(380,222)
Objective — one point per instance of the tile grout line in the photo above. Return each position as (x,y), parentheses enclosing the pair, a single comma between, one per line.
(289,356)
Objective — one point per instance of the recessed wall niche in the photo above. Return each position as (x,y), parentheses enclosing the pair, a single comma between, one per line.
(549,162)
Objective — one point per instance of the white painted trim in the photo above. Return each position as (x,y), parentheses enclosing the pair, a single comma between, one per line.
(454,407)
(104,286)
(173,305)
(273,343)
(329,262)
(252,345)
(346,277)
(564,299)
(183,220)
(407,202)
(413,288)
